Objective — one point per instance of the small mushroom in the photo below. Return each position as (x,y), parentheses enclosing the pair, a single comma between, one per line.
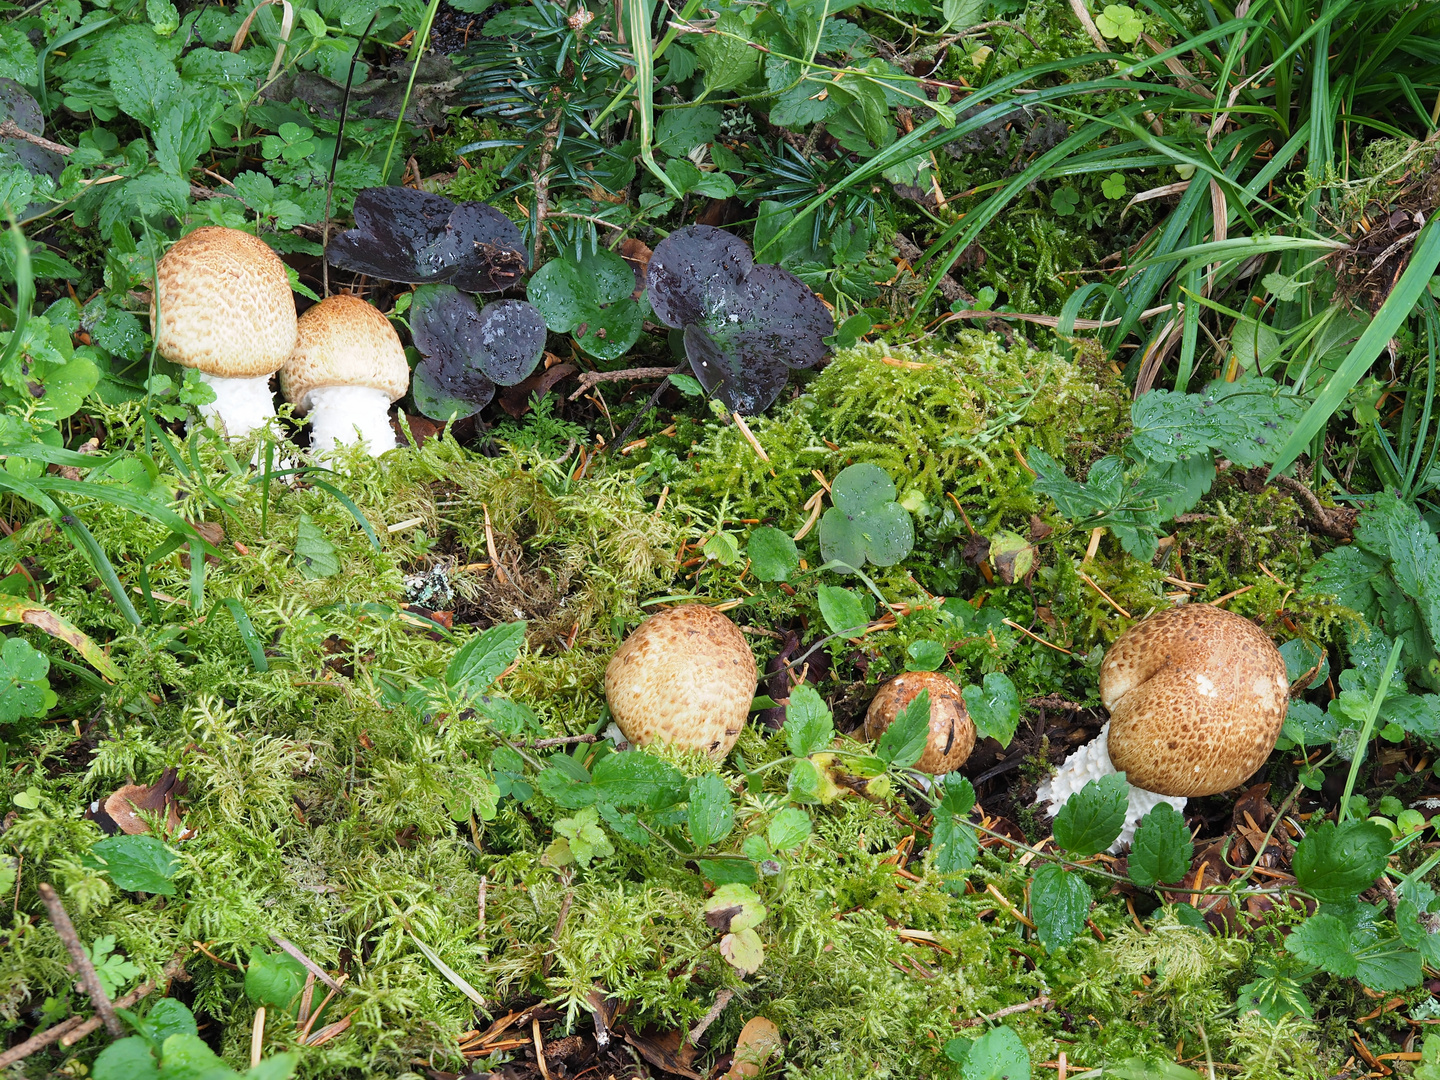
(685,677)
(225,308)
(347,367)
(952,734)
(1197,696)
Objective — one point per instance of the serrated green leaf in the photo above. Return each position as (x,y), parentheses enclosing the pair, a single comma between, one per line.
(903,742)
(711,812)
(1335,864)
(1162,848)
(480,660)
(994,707)
(1092,818)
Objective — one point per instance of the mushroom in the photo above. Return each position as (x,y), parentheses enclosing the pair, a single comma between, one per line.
(347,367)
(952,734)
(685,677)
(1197,696)
(223,306)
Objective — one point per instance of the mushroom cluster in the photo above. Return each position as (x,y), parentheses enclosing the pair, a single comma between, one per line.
(223,305)
(685,677)
(1197,696)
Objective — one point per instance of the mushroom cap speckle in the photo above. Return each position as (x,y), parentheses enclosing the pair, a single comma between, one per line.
(685,677)
(1197,696)
(344,341)
(952,733)
(225,304)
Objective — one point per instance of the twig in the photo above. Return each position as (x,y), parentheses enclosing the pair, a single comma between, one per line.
(69,1032)
(568,740)
(761,631)
(555,937)
(539,1046)
(590,379)
(11,130)
(310,965)
(1048,644)
(66,929)
(1041,1002)
(721,1000)
(630,427)
(750,437)
(542,176)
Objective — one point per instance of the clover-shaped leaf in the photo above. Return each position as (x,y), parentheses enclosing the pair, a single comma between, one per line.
(866,523)
(590,298)
(1114,186)
(745,326)
(1065,201)
(412,236)
(467,350)
(1120,21)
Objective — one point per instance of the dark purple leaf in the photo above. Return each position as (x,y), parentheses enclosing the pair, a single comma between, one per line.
(745,326)
(503,340)
(444,390)
(402,234)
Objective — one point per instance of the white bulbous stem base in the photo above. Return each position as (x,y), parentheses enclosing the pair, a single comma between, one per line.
(343,415)
(242,405)
(1091,762)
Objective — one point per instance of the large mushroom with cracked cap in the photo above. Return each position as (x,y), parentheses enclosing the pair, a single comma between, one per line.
(347,367)
(1197,696)
(223,306)
(952,733)
(685,677)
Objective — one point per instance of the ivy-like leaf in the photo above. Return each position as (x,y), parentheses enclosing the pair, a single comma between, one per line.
(1162,848)
(402,234)
(745,326)
(1336,863)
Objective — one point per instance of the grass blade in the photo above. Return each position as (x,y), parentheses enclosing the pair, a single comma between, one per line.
(1392,315)
(16,609)
(253,645)
(453,976)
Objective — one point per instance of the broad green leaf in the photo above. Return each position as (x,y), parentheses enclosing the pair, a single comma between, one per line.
(127,1059)
(809,727)
(589,297)
(315,555)
(773,555)
(635,778)
(788,829)
(994,707)
(925,656)
(903,742)
(273,979)
(1335,864)
(1324,940)
(136,863)
(954,844)
(1388,966)
(997,1055)
(1059,904)
(1162,848)
(711,812)
(865,524)
(734,908)
(842,610)
(743,950)
(481,659)
(957,794)
(1093,817)
(726,58)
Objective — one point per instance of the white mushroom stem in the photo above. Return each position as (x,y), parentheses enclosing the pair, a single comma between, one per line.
(342,415)
(241,404)
(1091,762)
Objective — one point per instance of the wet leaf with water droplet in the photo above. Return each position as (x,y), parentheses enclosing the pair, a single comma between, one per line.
(745,326)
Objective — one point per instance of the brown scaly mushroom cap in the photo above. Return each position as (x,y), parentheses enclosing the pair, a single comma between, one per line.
(952,734)
(225,305)
(685,677)
(343,341)
(1197,696)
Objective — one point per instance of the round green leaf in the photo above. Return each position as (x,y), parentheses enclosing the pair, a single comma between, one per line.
(590,298)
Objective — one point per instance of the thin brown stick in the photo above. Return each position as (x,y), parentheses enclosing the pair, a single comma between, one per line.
(590,379)
(721,1000)
(555,937)
(66,929)
(539,1047)
(172,971)
(310,965)
(542,177)
(1041,1002)
(568,740)
(11,130)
